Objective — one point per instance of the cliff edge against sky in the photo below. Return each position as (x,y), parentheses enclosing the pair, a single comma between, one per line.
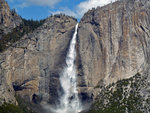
(112,45)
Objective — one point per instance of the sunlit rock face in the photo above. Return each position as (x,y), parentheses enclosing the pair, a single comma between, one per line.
(8,19)
(31,66)
(113,43)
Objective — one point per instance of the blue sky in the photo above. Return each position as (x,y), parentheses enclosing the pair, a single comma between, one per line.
(40,9)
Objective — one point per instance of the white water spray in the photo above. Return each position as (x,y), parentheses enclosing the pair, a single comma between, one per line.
(69,102)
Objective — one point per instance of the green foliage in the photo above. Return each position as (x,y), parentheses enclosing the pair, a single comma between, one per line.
(63,14)
(10,108)
(120,99)
(26,27)
(24,105)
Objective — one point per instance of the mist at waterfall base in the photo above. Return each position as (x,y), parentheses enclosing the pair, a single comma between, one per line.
(69,101)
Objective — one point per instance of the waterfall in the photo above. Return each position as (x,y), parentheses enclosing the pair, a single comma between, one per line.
(69,101)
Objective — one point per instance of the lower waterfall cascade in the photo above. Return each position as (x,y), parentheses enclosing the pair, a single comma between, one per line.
(69,101)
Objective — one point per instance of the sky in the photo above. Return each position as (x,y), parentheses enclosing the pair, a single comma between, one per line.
(40,9)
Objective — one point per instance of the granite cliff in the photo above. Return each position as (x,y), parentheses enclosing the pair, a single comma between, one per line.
(113,46)
(31,66)
(113,42)
(113,52)
(8,18)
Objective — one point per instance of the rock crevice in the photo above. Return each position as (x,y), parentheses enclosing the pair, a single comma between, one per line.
(114,42)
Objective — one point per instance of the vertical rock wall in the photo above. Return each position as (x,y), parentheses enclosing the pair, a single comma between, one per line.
(113,42)
(32,66)
(8,19)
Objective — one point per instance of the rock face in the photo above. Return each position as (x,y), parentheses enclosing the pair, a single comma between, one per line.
(8,19)
(113,43)
(125,96)
(32,66)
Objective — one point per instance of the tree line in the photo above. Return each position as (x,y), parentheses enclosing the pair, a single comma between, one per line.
(25,27)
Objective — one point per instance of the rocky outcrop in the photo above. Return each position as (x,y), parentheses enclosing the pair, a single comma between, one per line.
(125,96)
(8,18)
(31,67)
(113,43)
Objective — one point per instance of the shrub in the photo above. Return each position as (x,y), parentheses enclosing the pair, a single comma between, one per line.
(27,26)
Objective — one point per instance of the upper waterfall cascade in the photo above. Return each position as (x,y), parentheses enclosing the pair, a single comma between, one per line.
(69,101)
